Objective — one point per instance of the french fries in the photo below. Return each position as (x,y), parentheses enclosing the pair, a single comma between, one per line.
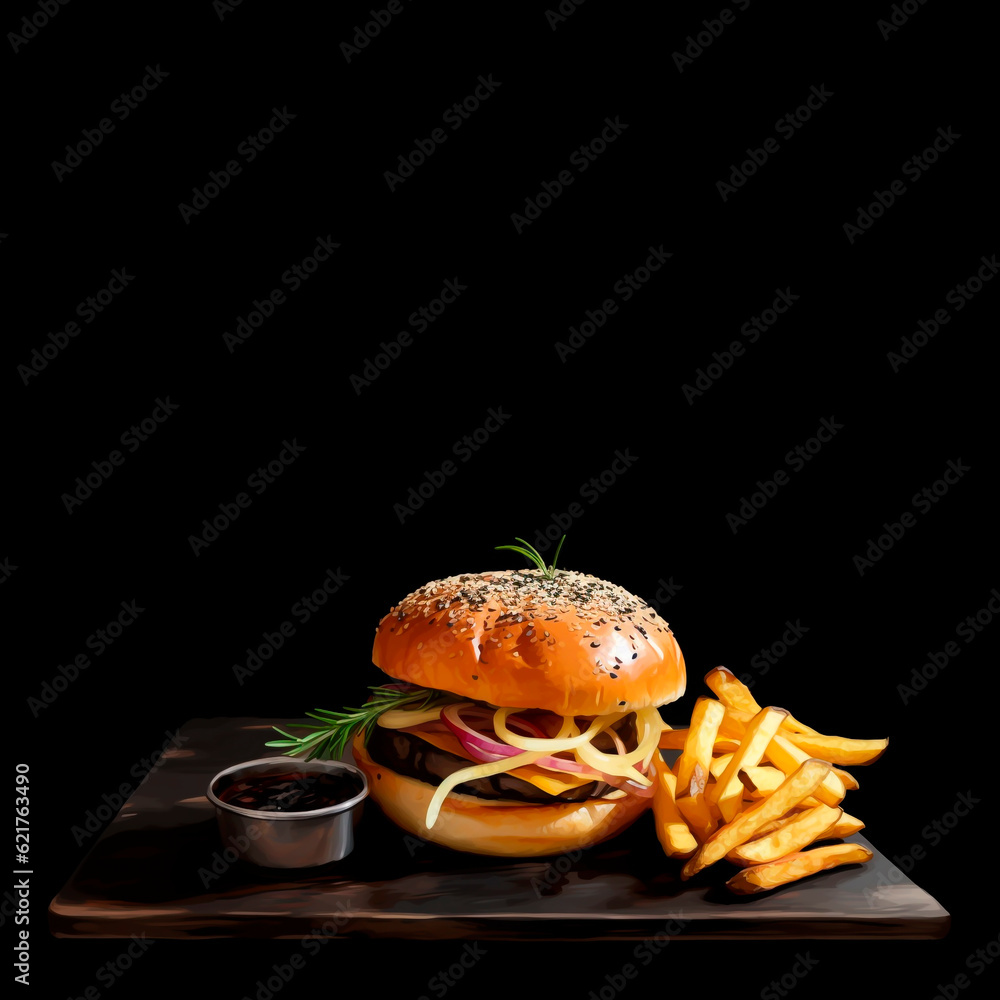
(705,721)
(792,835)
(733,693)
(759,733)
(757,787)
(761,878)
(788,757)
(671,830)
(846,826)
(804,781)
(692,767)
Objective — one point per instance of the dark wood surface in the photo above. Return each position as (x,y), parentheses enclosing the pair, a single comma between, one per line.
(147,874)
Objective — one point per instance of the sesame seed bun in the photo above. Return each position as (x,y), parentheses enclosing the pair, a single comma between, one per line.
(499,827)
(573,644)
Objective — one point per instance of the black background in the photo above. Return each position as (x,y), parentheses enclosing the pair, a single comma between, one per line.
(664,519)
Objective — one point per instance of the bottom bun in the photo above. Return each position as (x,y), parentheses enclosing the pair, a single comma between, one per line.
(499,827)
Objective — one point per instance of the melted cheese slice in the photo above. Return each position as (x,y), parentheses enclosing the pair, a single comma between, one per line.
(551,782)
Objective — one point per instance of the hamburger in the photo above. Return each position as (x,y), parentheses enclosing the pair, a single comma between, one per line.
(522,719)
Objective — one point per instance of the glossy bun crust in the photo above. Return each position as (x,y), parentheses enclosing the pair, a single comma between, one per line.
(498,827)
(573,645)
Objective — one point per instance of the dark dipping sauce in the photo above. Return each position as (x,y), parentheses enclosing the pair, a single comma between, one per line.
(293,791)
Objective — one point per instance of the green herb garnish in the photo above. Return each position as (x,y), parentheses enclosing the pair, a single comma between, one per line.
(330,740)
(535,556)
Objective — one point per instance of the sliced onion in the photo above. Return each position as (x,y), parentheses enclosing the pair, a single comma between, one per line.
(400,718)
(556,743)
(619,746)
(470,774)
(470,739)
(624,764)
(490,750)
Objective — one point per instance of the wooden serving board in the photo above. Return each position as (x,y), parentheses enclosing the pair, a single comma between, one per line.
(148,872)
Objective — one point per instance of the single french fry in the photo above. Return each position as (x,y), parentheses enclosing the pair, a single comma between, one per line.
(726,742)
(759,733)
(767,876)
(850,782)
(671,830)
(846,826)
(793,835)
(835,749)
(788,757)
(805,780)
(705,721)
(672,739)
(733,693)
(838,749)
(759,782)
(719,764)
(694,806)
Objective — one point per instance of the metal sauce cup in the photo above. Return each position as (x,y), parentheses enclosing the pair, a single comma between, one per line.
(288,839)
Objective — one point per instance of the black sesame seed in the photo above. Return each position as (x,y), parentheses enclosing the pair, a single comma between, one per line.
(614,677)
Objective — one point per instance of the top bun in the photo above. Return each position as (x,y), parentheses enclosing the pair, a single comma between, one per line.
(573,644)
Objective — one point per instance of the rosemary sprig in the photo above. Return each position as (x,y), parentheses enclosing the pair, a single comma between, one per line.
(530,552)
(330,740)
